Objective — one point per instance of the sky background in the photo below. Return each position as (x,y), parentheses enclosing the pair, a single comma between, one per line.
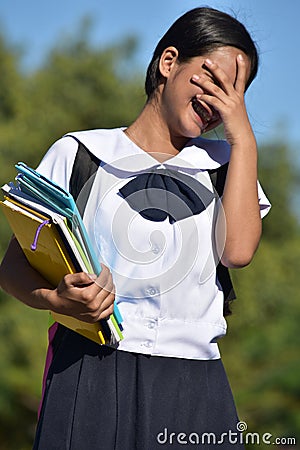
(273,99)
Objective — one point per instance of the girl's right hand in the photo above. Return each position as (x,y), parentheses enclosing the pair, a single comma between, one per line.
(86,297)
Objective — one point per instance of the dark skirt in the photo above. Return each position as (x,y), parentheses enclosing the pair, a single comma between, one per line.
(97,398)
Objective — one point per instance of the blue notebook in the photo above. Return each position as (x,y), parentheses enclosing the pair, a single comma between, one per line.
(46,191)
(61,201)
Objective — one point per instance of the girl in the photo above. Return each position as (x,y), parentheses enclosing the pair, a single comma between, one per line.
(160,230)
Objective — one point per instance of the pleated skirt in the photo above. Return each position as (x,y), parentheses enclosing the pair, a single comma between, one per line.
(98,398)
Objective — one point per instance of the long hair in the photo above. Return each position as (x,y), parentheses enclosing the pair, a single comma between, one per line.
(198,32)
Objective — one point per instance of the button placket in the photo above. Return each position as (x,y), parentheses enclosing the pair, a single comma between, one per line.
(151,325)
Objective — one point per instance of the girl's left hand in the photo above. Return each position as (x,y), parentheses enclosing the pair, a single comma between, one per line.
(227,99)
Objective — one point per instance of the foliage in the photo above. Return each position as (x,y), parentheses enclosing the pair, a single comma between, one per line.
(261,351)
(82,87)
(79,87)
(22,348)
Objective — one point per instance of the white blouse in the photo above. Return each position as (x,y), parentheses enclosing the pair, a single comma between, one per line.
(165,274)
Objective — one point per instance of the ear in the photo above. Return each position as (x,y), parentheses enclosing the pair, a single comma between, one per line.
(167,61)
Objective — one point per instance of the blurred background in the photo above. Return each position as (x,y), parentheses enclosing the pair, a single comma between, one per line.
(70,65)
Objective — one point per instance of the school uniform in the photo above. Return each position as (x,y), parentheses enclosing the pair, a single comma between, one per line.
(153,225)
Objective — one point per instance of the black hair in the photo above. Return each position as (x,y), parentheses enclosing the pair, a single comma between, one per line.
(198,32)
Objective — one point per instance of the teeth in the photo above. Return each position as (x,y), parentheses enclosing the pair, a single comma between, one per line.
(200,110)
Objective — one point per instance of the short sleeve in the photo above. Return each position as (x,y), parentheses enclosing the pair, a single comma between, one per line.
(264,203)
(58,162)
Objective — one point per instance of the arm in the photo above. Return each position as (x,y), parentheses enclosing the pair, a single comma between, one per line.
(241,219)
(80,295)
(241,207)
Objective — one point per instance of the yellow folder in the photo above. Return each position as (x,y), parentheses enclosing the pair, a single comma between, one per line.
(50,258)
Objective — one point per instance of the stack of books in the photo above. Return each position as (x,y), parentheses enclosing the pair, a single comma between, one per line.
(46,222)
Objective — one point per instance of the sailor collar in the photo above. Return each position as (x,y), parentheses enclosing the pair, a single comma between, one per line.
(113,147)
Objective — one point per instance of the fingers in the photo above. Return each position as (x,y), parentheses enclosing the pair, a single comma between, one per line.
(86,297)
(241,78)
(225,83)
(77,281)
(222,79)
(225,94)
(220,84)
(219,91)
(104,281)
(211,93)
(98,308)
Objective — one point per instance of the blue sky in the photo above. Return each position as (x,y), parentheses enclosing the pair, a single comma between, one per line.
(272,99)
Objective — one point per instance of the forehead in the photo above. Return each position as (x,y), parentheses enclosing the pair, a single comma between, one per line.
(225,57)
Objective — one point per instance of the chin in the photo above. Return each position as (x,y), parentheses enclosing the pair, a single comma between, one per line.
(188,130)
(195,135)
(192,133)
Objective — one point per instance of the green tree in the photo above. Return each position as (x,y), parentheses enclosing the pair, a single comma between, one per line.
(10,81)
(78,87)
(261,351)
(11,93)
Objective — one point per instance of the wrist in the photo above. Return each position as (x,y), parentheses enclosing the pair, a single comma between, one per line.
(243,141)
(241,134)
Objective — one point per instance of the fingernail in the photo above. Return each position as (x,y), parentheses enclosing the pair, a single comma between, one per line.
(240,57)
(195,77)
(208,61)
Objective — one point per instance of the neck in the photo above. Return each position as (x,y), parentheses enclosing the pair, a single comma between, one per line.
(150,132)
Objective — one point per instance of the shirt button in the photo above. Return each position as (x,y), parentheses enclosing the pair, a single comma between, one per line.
(147,344)
(151,291)
(151,325)
(155,250)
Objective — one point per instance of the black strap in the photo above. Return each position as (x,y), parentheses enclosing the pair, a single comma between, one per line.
(218,178)
(83,174)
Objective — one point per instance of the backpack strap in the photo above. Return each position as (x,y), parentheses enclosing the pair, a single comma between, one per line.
(83,174)
(218,178)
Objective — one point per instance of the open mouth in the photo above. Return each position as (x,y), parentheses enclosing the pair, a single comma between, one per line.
(199,109)
(205,115)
